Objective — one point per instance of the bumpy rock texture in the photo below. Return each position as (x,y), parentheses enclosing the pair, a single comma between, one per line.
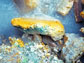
(31,52)
(52,28)
(74,47)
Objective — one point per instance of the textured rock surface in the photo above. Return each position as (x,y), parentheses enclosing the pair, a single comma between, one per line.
(52,28)
(32,52)
(65,7)
(74,47)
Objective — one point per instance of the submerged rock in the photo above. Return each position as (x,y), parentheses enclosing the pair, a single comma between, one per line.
(32,52)
(73,48)
(52,28)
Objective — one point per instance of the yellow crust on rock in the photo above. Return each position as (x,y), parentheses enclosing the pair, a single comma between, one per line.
(14,40)
(54,27)
(26,23)
(82,14)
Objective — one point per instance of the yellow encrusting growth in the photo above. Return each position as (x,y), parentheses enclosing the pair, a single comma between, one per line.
(26,23)
(82,14)
(20,42)
(53,28)
(14,40)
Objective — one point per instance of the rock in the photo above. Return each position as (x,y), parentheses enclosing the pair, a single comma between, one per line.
(74,47)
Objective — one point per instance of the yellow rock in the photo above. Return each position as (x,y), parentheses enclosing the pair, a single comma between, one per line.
(26,23)
(52,28)
(82,14)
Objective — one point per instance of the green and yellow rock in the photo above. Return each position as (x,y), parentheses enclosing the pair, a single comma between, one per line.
(52,28)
